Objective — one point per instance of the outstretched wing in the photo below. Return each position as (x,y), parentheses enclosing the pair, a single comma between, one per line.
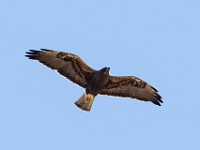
(131,87)
(68,65)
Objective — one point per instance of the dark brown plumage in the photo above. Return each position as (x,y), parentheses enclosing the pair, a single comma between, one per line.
(95,82)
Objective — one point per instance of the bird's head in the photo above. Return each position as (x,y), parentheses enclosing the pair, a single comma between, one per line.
(105,70)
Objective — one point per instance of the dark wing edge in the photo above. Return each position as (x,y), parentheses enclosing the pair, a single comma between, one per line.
(69,65)
(132,87)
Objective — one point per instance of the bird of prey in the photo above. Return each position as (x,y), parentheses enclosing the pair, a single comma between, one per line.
(94,81)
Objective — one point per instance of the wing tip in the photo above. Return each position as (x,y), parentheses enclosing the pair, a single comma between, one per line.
(33,54)
(46,50)
(158,99)
(154,88)
(156,103)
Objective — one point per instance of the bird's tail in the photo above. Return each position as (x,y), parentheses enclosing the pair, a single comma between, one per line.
(85,102)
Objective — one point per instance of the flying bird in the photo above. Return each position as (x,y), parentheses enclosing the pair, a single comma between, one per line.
(94,81)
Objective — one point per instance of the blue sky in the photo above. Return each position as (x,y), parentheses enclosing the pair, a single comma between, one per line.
(157,41)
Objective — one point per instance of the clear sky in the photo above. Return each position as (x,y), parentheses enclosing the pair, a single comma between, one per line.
(157,41)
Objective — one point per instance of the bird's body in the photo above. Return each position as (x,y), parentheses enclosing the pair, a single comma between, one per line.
(95,85)
(95,82)
(98,81)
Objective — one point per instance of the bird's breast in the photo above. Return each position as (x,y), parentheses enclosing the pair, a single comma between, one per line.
(96,84)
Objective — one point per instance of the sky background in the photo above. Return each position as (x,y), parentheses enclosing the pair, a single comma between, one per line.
(157,41)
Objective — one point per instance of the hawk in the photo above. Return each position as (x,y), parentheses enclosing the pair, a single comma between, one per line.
(94,81)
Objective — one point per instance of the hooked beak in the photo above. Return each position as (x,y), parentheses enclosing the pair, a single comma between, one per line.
(107,70)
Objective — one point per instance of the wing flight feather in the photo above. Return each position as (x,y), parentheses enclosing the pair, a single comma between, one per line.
(132,87)
(69,65)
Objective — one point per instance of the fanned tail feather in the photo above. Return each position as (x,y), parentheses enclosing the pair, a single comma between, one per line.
(85,102)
